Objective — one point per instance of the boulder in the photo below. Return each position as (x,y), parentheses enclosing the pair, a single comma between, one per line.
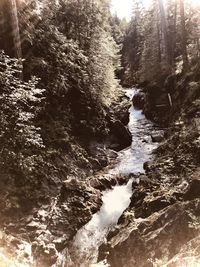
(103,182)
(125,117)
(157,137)
(193,190)
(139,100)
(157,237)
(122,133)
(111,154)
(147,165)
(121,111)
(101,156)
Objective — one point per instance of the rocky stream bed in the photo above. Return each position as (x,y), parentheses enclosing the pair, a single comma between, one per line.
(83,250)
(140,211)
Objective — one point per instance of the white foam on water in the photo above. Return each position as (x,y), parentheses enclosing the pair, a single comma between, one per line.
(93,234)
(131,160)
(115,201)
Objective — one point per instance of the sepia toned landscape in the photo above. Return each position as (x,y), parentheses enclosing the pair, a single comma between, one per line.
(100,133)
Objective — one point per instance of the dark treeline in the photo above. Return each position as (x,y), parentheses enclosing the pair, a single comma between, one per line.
(160,52)
(161,40)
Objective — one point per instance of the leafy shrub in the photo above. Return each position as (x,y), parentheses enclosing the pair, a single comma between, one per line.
(20,103)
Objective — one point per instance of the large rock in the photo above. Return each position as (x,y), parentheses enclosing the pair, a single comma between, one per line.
(100,155)
(139,100)
(121,111)
(193,190)
(143,242)
(122,134)
(188,255)
(103,181)
(53,226)
(157,137)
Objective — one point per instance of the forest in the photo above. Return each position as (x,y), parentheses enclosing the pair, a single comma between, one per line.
(92,103)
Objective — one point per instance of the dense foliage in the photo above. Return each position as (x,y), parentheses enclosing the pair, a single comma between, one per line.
(20,104)
(161,40)
(56,98)
(68,46)
(71,49)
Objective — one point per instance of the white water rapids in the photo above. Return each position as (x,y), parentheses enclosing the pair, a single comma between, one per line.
(88,239)
(93,234)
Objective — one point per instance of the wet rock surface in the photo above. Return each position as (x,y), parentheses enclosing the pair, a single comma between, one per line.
(157,137)
(50,227)
(138,100)
(122,133)
(159,236)
(161,226)
(119,135)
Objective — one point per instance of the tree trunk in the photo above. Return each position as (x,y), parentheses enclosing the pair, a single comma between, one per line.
(183,36)
(10,37)
(172,22)
(198,47)
(158,39)
(165,33)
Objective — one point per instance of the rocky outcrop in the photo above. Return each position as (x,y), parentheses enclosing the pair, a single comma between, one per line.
(142,242)
(101,156)
(121,132)
(49,228)
(138,100)
(188,255)
(119,136)
(161,226)
(157,137)
(121,109)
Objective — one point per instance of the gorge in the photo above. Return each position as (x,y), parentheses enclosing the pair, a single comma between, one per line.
(99,133)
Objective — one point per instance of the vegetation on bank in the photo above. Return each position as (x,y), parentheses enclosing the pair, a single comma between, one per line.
(57,98)
(57,82)
(160,53)
(160,41)
(58,66)
(74,49)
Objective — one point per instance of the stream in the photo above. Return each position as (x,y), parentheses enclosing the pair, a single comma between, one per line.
(130,161)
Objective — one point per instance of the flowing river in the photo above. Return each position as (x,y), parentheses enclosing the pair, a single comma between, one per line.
(115,201)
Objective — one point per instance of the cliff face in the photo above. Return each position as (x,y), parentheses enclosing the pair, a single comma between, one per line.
(161,226)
